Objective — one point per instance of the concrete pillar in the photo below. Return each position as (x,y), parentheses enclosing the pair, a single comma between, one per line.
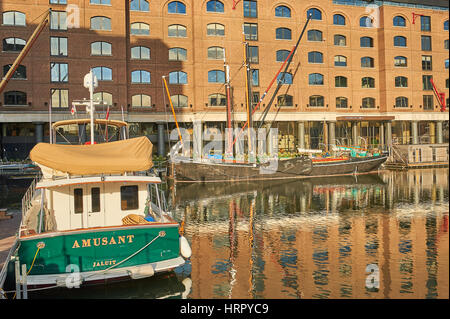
(388,134)
(301,134)
(432,131)
(161,139)
(381,144)
(354,133)
(439,139)
(197,140)
(331,133)
(39,135)
(415,132)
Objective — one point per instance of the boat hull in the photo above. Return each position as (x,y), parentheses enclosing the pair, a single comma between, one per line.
(351,166)
(97,254)
(214,171)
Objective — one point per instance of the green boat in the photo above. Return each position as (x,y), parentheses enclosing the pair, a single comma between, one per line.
(95,214)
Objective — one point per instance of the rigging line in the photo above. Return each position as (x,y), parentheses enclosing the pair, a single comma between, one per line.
(165,113)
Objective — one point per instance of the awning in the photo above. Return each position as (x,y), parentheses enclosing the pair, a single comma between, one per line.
(118,157)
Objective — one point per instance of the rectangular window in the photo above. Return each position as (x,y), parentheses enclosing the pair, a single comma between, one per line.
(426,63)
(250,9)
(59,72)
(129,197)
(426,43)
(59,98)
(426,81)
(58,1)
(428,102)
(251,31)
(78,200)
(425,23)
(58,46)
(255,77)
(253,54)
(95,199)
(58,20)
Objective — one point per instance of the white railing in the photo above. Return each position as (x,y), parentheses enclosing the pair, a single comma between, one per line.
(29,195)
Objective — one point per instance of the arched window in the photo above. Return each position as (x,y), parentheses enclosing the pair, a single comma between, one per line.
(176,7)
(11,98)
(214,6)
(314,35)
(102,73)
(283,34)
(315,57)
(399,41)
(216,76)
(139,5)
(178,77)
(141,100)
(282,55)
(315,14)
(216,53)
(338,19)
(367,62)
(140,76)
(287,79)
(15,18)
(179,100)
(400,61)
(283,12)
(104,97)
(101,23)
(341,102)
(315,79)
(177,30)
(177,54)
(316,101)
(366,22)
(368,103)
(19,73)
(399,21)
(401,101)
(340,60)
(140,53)
(366,42)
(217,99)
(101,48)
(340,40)
(340,82)
(285,100)
(13,44)
(139,28)
(401,82)
(367,82)
(215,29)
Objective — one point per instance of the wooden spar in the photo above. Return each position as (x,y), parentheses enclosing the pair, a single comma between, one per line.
(280,83)
(24,51)
(247,95)
(228,93)
(173,110)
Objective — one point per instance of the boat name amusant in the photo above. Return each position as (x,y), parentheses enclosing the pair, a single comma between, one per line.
(103,241)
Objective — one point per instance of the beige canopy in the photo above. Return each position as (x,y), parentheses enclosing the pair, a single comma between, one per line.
(108,158)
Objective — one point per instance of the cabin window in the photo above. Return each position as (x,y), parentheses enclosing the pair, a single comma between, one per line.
(129,197)
(95,199)
(78,200)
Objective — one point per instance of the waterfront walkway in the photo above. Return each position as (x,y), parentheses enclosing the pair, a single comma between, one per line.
(8,230)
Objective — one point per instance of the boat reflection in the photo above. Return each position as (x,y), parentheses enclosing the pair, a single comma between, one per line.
(366,236)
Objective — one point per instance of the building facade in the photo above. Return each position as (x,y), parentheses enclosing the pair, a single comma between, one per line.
(363,73)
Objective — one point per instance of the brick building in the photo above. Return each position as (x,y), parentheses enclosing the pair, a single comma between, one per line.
(361,74)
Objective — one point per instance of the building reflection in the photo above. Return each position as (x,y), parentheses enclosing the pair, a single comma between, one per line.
(320,238)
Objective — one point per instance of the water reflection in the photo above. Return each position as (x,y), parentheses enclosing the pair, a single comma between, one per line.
(317,238)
